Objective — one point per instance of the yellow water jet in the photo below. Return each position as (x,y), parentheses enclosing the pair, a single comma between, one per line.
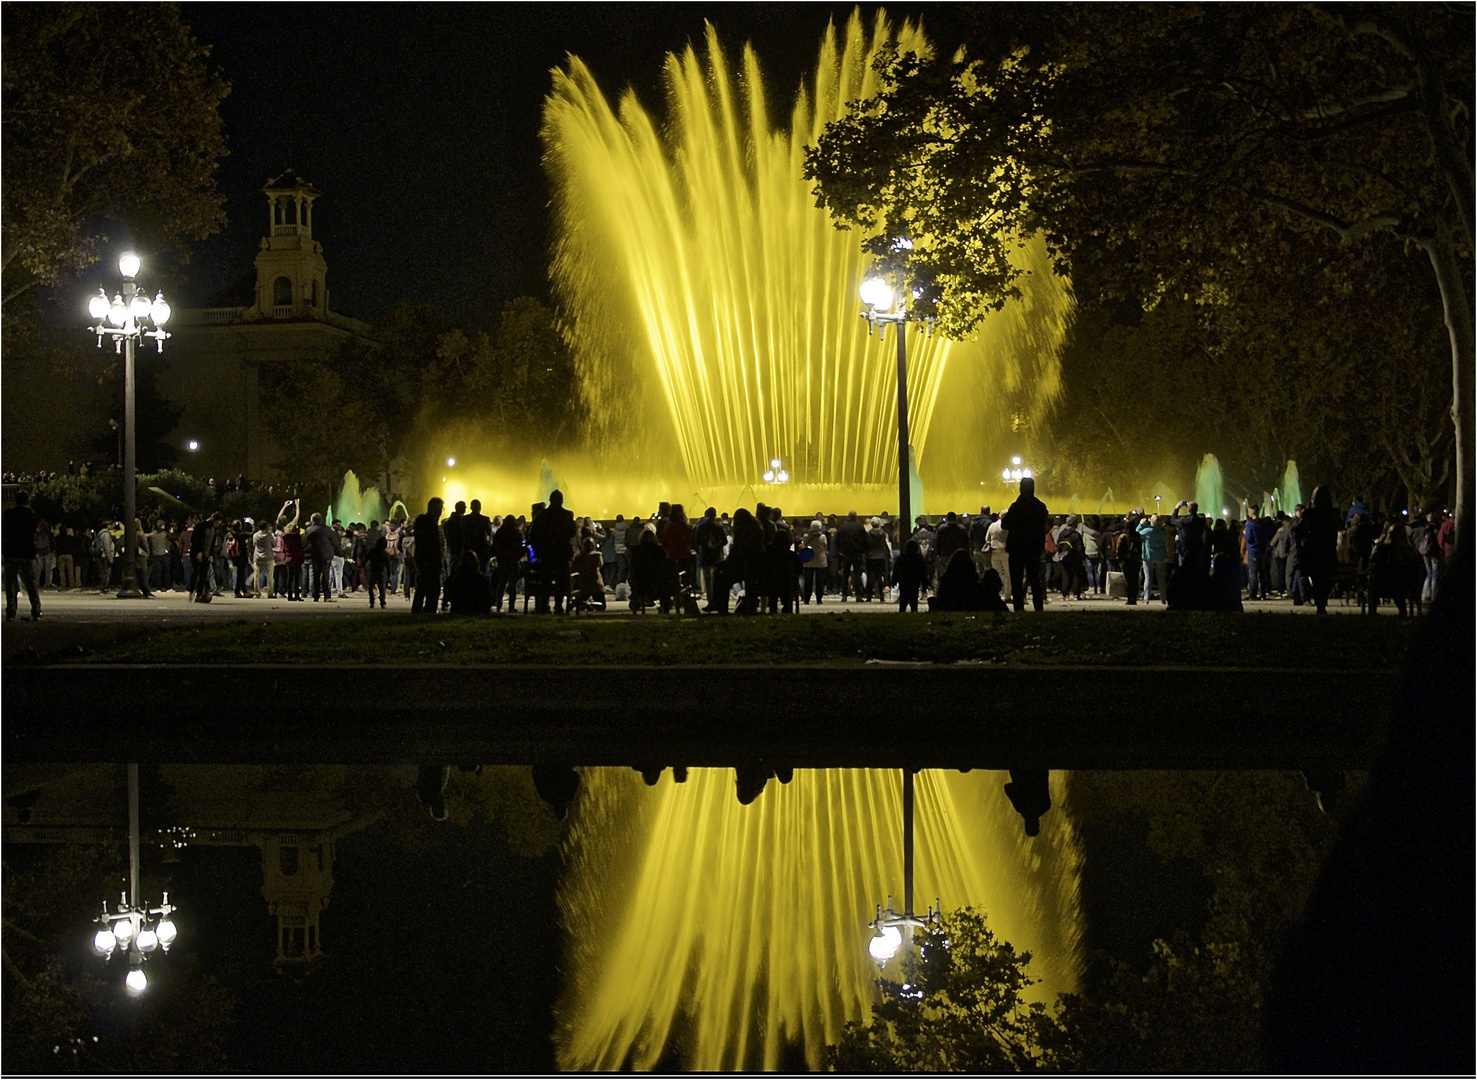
(713,309)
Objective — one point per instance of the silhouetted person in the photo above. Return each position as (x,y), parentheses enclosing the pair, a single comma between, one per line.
(430,787)
(750,779)
(427,532)
(743,561)
(1025,542)
(467,590)
(18,537)
(1377,976)
(1316,538)
(1030,793)
(653,578)
(908,574)
(557,785)
(959,587)
(550,535)
(477,534)
(851,545)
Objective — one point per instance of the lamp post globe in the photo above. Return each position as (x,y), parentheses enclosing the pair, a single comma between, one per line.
(128,265)
(137,982)
(877,294)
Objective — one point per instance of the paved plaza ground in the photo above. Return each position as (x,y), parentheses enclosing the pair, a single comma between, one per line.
(169,607)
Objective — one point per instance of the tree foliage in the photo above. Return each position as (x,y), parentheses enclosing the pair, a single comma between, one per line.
(1172,147)
(111,117)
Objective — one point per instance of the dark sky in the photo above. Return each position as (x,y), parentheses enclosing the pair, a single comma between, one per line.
(420,122)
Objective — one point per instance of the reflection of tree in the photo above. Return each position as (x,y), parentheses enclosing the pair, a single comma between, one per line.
(959,1008)
(496,794)
(1194,1005)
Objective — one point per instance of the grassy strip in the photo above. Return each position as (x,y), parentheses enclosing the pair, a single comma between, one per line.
(1092,638)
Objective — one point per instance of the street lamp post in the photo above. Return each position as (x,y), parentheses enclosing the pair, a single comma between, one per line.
(128,319)
(879,298)
(134,928)
(889,925)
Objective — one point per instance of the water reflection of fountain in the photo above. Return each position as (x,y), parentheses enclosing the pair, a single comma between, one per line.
(722,933)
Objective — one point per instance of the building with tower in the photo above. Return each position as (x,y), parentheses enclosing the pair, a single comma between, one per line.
(216,355)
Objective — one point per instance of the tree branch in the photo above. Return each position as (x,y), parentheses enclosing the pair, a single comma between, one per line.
(1347,230)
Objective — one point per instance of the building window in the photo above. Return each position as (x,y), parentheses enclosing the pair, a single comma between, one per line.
(282,291)
(287,861)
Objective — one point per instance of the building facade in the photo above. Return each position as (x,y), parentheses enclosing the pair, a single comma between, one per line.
(216,356)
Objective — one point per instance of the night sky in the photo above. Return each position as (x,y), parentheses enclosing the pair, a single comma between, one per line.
(420,125)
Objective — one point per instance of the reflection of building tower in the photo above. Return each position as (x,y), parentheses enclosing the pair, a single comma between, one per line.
(297,874)
(214,363)
(294,815)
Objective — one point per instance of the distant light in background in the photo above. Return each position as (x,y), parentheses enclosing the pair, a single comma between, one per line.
(194,445)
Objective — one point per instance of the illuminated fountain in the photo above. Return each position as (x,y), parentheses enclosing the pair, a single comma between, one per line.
(1209,487)
(354,504)
(719,935)
(713,311)
(1292,490)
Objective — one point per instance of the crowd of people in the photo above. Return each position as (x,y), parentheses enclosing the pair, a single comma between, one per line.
(466,562)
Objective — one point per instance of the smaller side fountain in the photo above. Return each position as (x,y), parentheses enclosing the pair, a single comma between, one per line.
(355,504)
(1292,490)
(1210,487)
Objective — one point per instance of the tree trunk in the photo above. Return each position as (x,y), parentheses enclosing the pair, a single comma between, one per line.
(1458,307)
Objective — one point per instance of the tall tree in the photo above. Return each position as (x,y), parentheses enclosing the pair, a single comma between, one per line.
(1176,144)
(111,119)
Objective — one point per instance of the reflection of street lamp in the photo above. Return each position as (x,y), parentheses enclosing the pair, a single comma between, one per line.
(891,926)
(776,474)
(879,298)
(133,928)
(126,320)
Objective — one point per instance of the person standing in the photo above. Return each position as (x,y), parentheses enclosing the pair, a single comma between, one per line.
(550,535)
(427,533)
(261,555)
(851,546)
(1155,551)
(1258,536)
(995,540)
(200,544)
(879,560)
(477,535)
(1129,552)
(238,549)
(321,543)
(1316,538)
(1025,543)
(711,540)
(102,556)
(18,553)
(507,552)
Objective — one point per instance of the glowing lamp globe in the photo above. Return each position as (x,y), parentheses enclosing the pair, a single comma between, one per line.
(450,462)
(1005,474)
(103,942)
(139,306)
(123,931)
(885,945)
(117,313)
(148,940)
(97,307)
(167,933)
(128,265)
(877,294)
(1015,460)
(137,982)
(159,310)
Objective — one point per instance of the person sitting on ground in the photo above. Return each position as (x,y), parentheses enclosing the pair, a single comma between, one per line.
(960,588)
(909,574)
(587,588)
(467,590)
(653,580)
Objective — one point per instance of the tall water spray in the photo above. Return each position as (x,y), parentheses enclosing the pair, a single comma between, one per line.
(1210,487)
(713,309)
(718,934)
(1292,489)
